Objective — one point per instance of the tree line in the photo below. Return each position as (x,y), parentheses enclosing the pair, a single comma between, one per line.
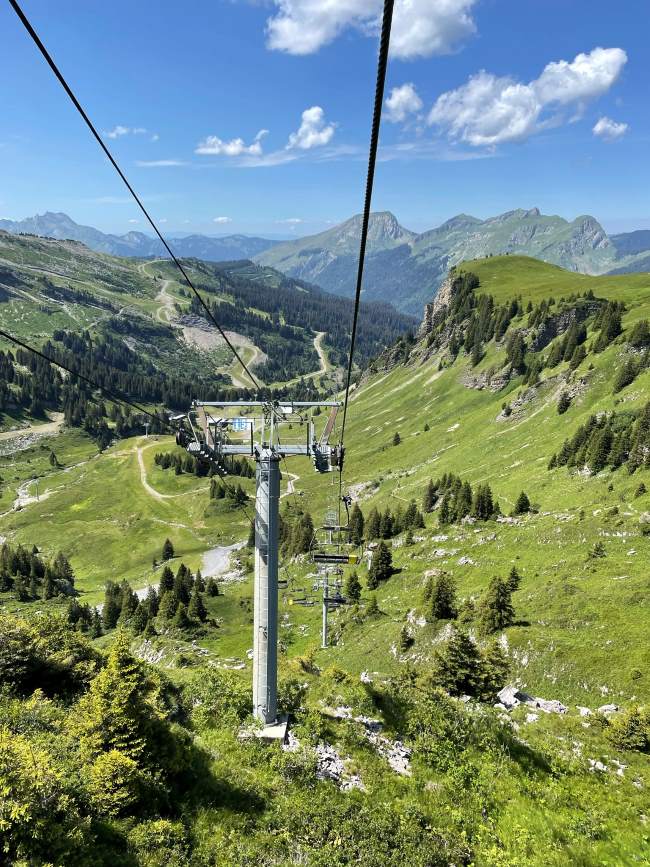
(30,576)
(608,440)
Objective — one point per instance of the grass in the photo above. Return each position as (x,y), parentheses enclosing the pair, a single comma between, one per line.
(581,631)
(97,510)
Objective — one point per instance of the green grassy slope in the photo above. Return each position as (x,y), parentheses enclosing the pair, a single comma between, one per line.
(581,623)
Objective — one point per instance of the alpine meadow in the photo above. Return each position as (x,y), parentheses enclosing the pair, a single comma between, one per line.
(324,541)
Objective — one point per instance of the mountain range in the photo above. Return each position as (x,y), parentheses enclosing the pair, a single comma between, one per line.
(407,268)
(402,267)
(213,249)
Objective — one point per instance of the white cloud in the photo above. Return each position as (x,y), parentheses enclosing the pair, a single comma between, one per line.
(222,220)
(159,164)
(155,137)
(291,221)
(119,130)
(489,110)
(212,145)
(313,131)
(402,101)
(425,27)
(584,79)
(134,221)
(420,27)
(609,129)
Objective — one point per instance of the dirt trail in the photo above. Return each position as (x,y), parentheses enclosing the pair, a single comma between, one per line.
(291,485)
(49,427)
(143,476)
(217,560)
(322,356)
(166,311)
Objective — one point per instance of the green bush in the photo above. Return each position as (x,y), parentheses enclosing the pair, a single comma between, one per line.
(630,730)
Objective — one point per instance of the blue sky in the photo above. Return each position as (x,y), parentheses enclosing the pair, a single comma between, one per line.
(254,116)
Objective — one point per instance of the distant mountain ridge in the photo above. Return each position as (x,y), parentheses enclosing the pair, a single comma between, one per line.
(63,227)
(403,267)
(407,268)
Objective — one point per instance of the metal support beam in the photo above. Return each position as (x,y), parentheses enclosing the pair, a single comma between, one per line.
(265,625)
(326,593)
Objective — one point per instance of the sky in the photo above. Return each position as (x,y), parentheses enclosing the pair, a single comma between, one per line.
(231,116)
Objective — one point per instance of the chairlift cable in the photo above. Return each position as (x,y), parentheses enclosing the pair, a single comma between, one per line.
(382,64)
(48,58)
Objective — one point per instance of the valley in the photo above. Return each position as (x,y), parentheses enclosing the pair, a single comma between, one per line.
(511,361)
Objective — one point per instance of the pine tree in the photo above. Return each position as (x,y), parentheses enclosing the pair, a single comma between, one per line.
(199,583)
(381,566)
(139,619)
(427,591)
(482,503)
(352,588)
(356,525)
(372,608)
(373,525)
(168,605)
(444,514)
(49,587)
(578,357)
(62,568)
(443,598)
(411,515)
(20,590)
(457,665)
(96,630)
(430,497)
(166,581)
(599,450)
(212,587)
(397,439)
(494,671)
(250,543)
(113,714)
(405,639)
(167,550)
(112,605)
(467,611)
(152,602)
(181,620)
(180,585)
(563,403)
(514,580)
(496,609)
(387,526)
(33,587)
(522,505)
(197,609)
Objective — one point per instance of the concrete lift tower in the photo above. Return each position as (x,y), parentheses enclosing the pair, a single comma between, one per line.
(219,430)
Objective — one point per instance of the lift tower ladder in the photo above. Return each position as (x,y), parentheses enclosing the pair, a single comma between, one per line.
(217,430)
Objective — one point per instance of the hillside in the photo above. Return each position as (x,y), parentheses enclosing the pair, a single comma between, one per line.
(522,378)
(410,267)
(48,286)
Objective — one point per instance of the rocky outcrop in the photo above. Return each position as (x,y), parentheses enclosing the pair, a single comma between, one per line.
(555,325)
(437,306)
(510,697)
